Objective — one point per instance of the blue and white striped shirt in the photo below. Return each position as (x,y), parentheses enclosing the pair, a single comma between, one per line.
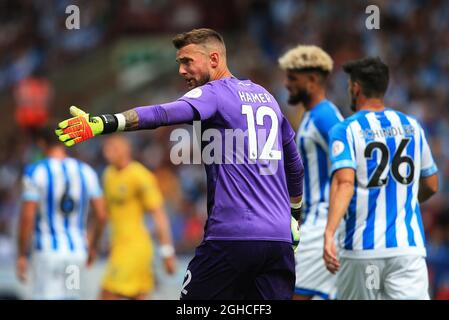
(45,182)
(313,144)
(389,153)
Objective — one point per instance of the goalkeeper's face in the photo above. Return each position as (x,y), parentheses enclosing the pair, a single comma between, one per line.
(195,65)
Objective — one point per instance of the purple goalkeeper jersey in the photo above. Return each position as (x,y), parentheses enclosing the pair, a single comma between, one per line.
(247,198)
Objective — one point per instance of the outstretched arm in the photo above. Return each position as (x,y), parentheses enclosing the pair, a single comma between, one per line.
(84,126)
(131,120)
(151,117)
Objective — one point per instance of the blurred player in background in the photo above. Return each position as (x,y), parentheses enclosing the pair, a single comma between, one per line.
(130,190)
(382,169)
(56,195)
(307,68)
(247,248)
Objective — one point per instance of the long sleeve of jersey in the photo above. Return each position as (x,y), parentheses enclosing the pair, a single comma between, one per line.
(294,169)
(178,112)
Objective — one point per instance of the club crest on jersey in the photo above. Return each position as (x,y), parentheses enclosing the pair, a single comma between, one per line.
(194,93)
(337,148)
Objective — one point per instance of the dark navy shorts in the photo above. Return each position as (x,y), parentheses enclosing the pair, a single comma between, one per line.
(237,270)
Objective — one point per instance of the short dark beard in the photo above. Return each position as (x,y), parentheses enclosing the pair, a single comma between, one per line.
(203,80)
(198,83)
(301,97)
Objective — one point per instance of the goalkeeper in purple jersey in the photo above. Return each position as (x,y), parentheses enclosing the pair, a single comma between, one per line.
(247,248)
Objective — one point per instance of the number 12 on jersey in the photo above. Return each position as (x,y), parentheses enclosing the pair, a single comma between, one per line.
(267,150)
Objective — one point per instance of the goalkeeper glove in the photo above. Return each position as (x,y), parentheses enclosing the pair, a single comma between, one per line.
(294,227)
(296,212)
(83,126)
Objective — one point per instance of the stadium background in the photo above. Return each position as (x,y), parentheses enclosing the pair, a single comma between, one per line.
(122,57)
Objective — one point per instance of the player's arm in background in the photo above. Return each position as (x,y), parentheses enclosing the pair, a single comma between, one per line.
(26,226)
(428,182)
(98,207)
(28,210)
(99,216)
(153,202)
(198,104)
(341,190)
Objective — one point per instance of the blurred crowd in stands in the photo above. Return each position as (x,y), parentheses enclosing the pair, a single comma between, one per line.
(413,39)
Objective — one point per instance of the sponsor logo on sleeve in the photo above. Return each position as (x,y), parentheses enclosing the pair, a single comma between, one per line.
(337,148)
(194,93)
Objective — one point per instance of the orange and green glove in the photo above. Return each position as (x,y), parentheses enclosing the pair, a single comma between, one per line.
(79,128)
